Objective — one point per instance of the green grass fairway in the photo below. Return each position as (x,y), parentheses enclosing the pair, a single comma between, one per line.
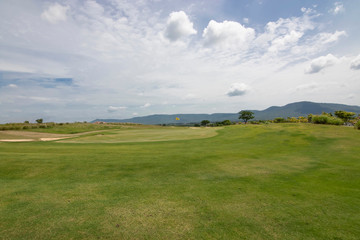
(145,135)
(274,181)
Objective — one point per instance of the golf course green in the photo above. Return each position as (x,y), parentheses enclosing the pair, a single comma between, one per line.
(270,181)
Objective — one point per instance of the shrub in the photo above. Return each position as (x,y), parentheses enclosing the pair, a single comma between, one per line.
(335,121)
(357,125)
(279,120)
(309,117)
(292,120)
(226,122)
(303,119)
(320,119)
(325,119)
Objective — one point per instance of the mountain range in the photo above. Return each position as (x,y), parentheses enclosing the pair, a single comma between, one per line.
(290,110)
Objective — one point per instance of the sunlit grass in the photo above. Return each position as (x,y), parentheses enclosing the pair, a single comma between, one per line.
(276,181)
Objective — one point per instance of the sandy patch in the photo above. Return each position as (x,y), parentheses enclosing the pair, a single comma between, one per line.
(17,140)
(51,139)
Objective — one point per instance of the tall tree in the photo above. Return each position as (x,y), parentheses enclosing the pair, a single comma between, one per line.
(246,115)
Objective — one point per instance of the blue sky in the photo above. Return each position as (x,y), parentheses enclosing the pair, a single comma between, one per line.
(72,60)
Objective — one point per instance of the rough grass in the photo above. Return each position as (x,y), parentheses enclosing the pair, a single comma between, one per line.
(275,181)
(73,128)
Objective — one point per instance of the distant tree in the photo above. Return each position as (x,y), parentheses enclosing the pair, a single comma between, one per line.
(204,122)
(279,120)
(345,116)
(40,120)
(226,122)
(309,117)
(246,115)
(327,114)
(26,122)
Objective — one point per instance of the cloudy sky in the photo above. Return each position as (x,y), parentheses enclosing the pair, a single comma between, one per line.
(77,60)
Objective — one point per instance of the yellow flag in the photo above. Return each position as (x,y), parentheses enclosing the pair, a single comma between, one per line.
(177,118)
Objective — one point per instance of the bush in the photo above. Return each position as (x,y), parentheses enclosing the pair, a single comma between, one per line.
(303,119)
(325,119)
(226,122)
(279,120)
(357,125)
(292,120)
(309,117)
(320,119)
(335,121)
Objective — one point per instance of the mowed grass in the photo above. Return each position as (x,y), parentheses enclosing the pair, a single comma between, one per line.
(145,135)
(276,181)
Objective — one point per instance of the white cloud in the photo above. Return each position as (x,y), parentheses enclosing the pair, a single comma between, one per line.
(114,109)
(227,34)
(12,86)
(355,63)
(331,37)
(246,20)
(237,89)
(55,13)
(284,33)
(282,42)
(317,64)
(179,26)
(338,8)
(146,105)
(307,10)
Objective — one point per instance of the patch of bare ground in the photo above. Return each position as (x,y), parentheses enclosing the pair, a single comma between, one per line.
(24,136)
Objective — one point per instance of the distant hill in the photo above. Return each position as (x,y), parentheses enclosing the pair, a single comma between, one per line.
(290,110)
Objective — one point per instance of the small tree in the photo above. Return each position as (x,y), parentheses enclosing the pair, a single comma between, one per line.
(346,116)
(40,120)
(226,122)
(246,115)
(279,120)
(204,122)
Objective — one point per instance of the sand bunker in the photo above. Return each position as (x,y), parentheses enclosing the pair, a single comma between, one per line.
(17,140)
(51,139)
(25,136)
(30,140)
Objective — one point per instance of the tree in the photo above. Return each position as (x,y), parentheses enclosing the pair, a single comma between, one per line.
(226,122)
(346,116)
(204,122)
(246,115)
(40,120)
(279,120)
